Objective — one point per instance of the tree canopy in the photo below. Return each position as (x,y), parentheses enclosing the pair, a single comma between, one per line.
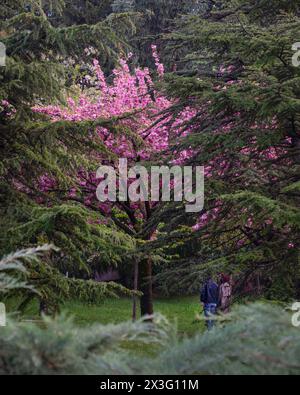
(79,89)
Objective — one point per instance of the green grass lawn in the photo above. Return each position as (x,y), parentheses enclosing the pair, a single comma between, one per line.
(181,310)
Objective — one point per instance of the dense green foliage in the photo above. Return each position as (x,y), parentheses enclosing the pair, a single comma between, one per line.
(40,66)
(235,66)
(25,277)
(260,340)
(234,56)
(229,64)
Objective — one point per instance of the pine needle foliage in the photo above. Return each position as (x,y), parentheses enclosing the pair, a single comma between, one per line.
(260,340)
(234,65)
(47,284)
(40,56)
(14,263)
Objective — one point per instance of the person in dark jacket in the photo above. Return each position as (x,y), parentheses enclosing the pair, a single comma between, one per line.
(210,298)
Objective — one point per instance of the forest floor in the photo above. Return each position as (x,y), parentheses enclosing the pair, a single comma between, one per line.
(182,311)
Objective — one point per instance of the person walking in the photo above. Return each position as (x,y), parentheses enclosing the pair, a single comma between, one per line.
(209,298)
(225,294)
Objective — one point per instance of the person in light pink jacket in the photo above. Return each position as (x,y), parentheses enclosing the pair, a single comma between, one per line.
(225,294)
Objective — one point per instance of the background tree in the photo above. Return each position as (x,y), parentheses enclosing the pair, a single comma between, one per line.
(236,68)
(36,153)
(85,12)
(141,138)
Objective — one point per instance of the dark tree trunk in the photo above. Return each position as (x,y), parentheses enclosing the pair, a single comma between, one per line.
(146,288)
(297,148)
(135,287)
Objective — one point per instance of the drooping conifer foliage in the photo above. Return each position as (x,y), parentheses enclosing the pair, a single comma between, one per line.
(37,154)
(235,66)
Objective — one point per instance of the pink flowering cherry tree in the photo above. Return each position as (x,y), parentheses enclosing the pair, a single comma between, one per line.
(142,134)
